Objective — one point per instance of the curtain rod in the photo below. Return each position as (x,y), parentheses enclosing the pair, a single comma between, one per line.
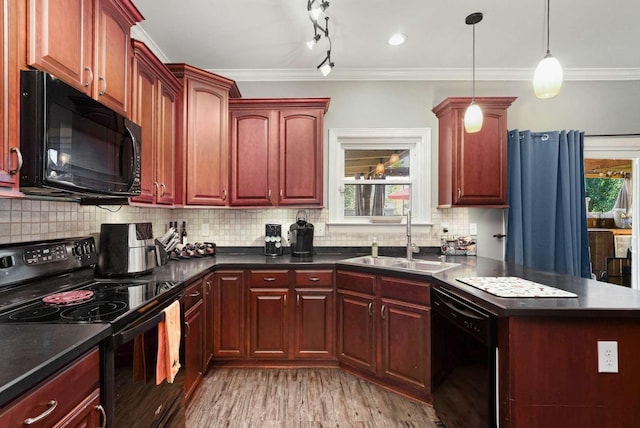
(612,135)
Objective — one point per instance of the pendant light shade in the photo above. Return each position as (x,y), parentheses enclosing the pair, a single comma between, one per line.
(547,79)
(473,118)
(473,115)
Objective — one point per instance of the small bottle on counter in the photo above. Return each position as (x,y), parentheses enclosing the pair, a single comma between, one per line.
(374,247)
(184,233)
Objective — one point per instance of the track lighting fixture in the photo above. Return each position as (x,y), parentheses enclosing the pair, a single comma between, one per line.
(473,116)
(315,10)
(547,79)
(326,65)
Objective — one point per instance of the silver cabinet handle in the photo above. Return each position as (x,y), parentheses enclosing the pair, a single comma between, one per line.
(269,195)
(285,300)
(297,300)
(187,328)
(90,76)
(224,194)
(314,279)
(164,189)
(156,185)
(104,415)
(52,406)
(19,154)
(370,307)
(104,85)
(459,192)
(208,287)
(269,279)
(382,312)
(281,193)
(194,294)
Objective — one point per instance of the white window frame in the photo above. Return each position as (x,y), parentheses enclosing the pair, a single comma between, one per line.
(417,140)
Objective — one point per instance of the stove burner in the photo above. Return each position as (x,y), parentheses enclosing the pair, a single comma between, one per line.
(67,298)
(93,311)
(35,314)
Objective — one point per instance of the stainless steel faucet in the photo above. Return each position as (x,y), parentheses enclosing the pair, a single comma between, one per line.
(411,248)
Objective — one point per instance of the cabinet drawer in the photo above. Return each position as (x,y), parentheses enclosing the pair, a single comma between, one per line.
(314,278)
(406,290)
(65,390)
(192,294)
(355,281)
(269,278)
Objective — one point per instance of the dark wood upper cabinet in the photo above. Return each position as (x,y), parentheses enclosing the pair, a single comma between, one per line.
(202,155)
(277,151)
(472,168)
(154,107)
(10,51)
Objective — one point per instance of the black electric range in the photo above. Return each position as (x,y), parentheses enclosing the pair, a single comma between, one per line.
(54,282)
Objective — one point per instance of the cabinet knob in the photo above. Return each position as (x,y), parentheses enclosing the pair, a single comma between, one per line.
(52,406)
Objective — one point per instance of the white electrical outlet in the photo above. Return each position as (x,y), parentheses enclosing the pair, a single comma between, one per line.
(319,229)
(473,229)
(607,356)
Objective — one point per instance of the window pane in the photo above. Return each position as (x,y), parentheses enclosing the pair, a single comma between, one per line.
(364,200)
(376,164)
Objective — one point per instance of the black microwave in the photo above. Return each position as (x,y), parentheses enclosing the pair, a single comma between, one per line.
(73,146)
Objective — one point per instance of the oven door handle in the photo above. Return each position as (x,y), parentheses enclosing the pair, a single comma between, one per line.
(126,335)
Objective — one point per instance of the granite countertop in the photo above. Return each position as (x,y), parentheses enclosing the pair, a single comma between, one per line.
(31,353)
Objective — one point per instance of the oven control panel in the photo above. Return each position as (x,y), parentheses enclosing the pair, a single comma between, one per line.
(45,254)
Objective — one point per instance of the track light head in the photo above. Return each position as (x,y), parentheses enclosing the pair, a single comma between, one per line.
(326,65)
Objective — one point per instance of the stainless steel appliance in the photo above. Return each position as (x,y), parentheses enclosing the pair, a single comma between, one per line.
(301,236)
(72,146)
(40,277)
(272,239)
(126,249)
(464,361)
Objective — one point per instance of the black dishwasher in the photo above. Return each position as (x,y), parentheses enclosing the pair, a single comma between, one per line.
(464,362)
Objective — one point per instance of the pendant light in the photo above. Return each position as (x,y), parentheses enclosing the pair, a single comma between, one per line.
(473,115)
(547,79)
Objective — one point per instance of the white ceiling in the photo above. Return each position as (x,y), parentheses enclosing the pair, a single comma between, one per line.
(265,39)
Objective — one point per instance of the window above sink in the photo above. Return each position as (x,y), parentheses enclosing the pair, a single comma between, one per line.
(377,174)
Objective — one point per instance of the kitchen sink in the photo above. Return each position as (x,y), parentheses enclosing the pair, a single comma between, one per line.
(399,263)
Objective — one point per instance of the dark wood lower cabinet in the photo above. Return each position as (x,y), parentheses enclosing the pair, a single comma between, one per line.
(70,398)
(193,333)
(269,323)
(229,316)
(314,326)
(384,330)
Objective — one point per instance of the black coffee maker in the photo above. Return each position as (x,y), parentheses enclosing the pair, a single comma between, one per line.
(301,236)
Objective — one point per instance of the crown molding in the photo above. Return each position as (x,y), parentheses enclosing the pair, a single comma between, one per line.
(138,33)
(443,74)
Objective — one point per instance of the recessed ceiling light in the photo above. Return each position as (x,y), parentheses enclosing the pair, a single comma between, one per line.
(397,39)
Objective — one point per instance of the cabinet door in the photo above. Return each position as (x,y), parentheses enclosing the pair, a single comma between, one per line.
(356,330)
(300,157)
(472,168)
(193,357)
(166,143)
(60,40)
(268,323)
(112,57)
(9,97)
(144,113)
(254,151)
(208,321)
(405,343)
(207,144)
(313,326)
(229,317)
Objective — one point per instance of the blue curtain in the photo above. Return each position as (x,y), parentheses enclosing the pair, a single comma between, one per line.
(547,219)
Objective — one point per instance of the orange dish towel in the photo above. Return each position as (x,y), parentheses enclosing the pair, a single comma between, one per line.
(169,334)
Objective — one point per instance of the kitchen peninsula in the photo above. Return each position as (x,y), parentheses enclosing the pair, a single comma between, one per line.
(548,365)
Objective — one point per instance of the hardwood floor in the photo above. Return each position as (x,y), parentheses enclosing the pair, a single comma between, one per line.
(283,398)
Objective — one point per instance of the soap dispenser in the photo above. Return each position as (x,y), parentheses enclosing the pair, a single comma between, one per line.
(374,247)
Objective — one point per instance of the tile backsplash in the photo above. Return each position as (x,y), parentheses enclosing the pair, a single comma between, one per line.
(33,220)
